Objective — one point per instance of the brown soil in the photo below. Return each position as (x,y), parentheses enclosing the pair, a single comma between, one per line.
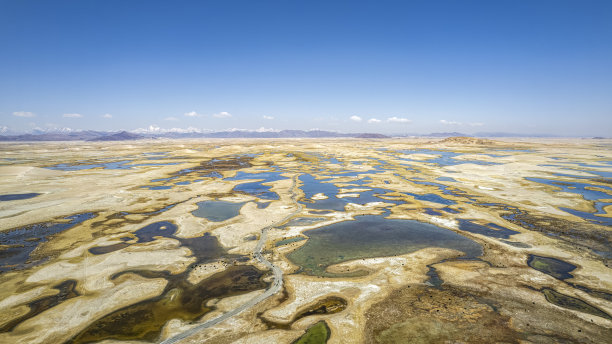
(427,315)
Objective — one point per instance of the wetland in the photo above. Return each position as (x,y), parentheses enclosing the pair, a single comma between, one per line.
(306,241)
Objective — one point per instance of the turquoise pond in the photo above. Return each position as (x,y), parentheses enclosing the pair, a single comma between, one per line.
(371,236)
(217,211)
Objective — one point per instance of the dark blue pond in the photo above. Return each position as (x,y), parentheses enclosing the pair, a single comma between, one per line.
(552,266)
(205,247)
(590,195)
(19,243)
(446,179)
(588,169)
(490,229)
(592,217)
(163,179)
(158,187)
(432,212)
(312,186)
(577,188)
(430,197)
(149,232)
(257,188)
(17,197)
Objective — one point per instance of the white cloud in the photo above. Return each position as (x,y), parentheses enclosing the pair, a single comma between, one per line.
(222,114)
(477,124)
(192,114)
(171,119)
(356,118)
(107,115)
(4,129)
(260,130)
(268,117)
(52,128)
(445,122)
(24,114)
(398,120)
(72,115)
(374,120)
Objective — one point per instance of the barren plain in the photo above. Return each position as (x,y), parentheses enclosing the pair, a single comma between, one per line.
(306,241)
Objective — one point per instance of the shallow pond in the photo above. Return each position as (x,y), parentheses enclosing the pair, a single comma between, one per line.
(19,243)
(65,290)
(443,158)
(111,165)
(573,303)
(17,197)
(180,300)
(551,266)
(446,179)
(373,236)
(577,188)
(318,333)
(592,217)
(431,197)
(289,241)
(312,186)
(589,192)
(217,211)
(257,189)
(303,221)
(490,229)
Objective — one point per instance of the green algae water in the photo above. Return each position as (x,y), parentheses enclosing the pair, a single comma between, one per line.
(573,303)
(181,300)
(317,334)
(551,266)
(372,236)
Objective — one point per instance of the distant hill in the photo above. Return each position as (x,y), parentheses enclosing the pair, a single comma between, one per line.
(371,136)
(468,140)
(120,136)
(58,136)
(451,134)
(90,135)
(486,134)
(503,134)
(275,134)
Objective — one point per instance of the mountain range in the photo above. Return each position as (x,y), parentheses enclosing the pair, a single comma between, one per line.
(91,135)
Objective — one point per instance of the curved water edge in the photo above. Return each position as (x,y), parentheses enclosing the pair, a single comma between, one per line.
(18,197)
(275,287)
(370,236)
(217,211)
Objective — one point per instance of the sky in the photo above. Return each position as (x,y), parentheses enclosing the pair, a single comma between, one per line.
(520,66)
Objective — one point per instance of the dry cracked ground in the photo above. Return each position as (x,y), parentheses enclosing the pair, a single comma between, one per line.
(378,241)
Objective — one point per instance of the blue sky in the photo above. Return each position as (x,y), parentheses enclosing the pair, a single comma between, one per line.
(380,66)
